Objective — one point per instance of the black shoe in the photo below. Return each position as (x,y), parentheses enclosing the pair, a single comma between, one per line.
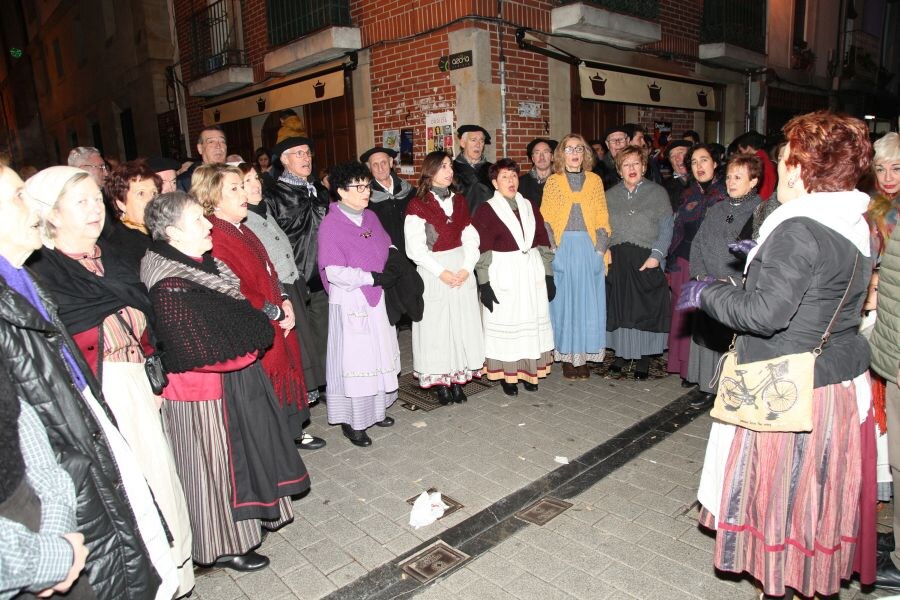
(687,384)
(358,437)
(887,575)
(642,368)
(529,387)
(456,391)
(385,422)
(244,563)
(885,542)
(641,375)
(510,389)
(443,395)
(617,365)
(702,400)
(309,442)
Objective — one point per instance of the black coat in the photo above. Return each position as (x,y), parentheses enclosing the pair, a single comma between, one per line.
(531,189)
(299,215)
(474,184)
(794,284)
(675,187)
(390,208)
(117,566)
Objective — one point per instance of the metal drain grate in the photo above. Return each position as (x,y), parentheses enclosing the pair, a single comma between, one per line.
(544,510)
(453,504)
(434,561)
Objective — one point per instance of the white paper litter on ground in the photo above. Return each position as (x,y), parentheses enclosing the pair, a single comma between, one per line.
(427,509)
(420,424)
(561,460)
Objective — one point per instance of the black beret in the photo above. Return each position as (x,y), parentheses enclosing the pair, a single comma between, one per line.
(364,157)
(677,144)
(158,164)
(468,128)
(291,142)
(530,147)
(614,129)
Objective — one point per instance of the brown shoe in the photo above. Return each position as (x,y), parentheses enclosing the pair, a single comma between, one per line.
(569,372)
(583,372)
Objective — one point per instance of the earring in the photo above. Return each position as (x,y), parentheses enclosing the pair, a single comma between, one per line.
(791,182)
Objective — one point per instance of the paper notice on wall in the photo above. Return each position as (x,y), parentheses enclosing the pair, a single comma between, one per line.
(439,132)
(391,139)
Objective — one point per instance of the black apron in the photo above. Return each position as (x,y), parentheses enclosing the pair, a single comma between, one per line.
(636,299)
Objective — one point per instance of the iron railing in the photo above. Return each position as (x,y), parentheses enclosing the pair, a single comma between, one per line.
(217,37)
(292,19)
(644,9)
(739,23)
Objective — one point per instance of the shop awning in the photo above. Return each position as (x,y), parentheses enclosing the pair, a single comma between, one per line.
(645,89)
(313,85)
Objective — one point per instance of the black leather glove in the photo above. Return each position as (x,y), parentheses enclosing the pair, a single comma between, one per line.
(488,298)
(384,280)
(551,287)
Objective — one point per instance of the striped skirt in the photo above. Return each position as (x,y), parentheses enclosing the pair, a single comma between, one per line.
(789,511)
(196,431)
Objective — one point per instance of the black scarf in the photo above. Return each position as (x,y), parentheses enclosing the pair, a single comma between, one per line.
(259,209)
(85,299)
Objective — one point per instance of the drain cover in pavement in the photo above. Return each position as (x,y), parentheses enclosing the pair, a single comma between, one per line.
(433,562)
(542,511)
(452,504)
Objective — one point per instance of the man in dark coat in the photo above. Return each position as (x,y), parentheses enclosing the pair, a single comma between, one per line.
(212,147)
(390,193)
(616,138)
(531,184)
(679,180)
(298,204)
(470,169)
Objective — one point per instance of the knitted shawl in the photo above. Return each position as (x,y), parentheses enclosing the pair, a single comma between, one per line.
(559,199)
(202,319)
(343,243)
(449,229)
(245,255)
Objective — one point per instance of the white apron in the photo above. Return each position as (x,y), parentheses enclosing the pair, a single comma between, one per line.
(519,326)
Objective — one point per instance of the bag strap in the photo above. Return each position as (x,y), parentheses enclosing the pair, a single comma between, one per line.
(130,332)
(825,336)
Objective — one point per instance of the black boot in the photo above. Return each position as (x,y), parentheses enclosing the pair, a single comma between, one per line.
(358,437)
(510,389)
(251,561)
(642,368)
(529,387)
(443,395)
(456,391)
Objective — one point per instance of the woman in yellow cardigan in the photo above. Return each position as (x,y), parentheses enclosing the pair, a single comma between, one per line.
(574,209)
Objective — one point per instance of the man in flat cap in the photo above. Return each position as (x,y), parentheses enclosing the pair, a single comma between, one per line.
(390,193)
(531,184)
(470,169)
(675,184)
(167,169)
(616,138)
(212,147)
(298,204)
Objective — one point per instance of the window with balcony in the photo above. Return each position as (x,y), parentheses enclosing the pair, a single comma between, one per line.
(741,24)
(290,19)
(644,9)
(217,38)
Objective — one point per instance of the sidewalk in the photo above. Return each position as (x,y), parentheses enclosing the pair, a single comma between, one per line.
(631,532)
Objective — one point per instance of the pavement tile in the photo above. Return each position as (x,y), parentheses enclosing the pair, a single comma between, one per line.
(261,585)
(326,556)
(308,583)
(663,524)
(216,584)
(528,587)
(283,558)
(347,574)
(340,529)
(495,568)
(540,563)
(583,586)
(482,589)
(369,553)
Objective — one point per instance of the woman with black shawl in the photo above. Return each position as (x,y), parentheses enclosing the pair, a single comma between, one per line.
(232,447)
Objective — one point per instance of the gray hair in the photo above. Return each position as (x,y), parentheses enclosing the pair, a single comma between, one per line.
(165,210)
(210,128)
(887,148)
(78,155)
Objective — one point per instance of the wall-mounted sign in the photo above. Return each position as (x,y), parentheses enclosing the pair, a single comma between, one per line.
(305,91)
(615,86)
(406,147)
(460,60)
(439,132)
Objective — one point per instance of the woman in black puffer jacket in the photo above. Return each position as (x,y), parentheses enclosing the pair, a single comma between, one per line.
(49,374)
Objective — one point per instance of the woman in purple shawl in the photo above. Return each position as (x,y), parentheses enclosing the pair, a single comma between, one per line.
(356,263)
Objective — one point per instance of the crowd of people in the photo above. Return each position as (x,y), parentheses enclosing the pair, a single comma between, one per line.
(166,328)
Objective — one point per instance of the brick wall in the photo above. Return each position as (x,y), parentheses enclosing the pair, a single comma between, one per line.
(680,24)
(682,120)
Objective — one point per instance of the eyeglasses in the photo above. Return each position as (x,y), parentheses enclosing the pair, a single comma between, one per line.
(301,153)
(574,149)
(359,187)
(618,141)
(90,166)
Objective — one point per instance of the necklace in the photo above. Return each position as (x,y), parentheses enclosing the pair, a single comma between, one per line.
(735,203)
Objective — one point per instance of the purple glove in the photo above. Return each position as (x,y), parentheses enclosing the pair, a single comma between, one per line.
(742,247)
(690,293)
